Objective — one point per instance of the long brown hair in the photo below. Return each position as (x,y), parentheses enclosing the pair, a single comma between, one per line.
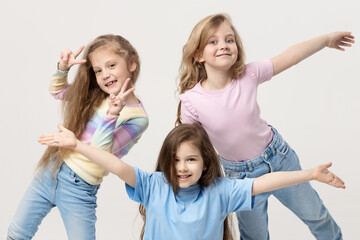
(84,95)
(196,135)
(192,71)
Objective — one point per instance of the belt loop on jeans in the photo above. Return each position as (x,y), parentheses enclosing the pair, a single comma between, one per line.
(249,165)
(273,151)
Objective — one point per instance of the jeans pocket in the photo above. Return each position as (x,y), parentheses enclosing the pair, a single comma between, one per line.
(80,182)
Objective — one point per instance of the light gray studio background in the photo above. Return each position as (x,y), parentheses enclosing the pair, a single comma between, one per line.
(314,105)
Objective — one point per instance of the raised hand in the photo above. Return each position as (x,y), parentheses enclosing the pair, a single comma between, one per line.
(64,138)
(338,40)
(68,59)
(117,103)
(322,174)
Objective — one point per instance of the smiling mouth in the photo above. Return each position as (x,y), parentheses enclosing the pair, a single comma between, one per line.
(110,83)
(224,54)
(183,177)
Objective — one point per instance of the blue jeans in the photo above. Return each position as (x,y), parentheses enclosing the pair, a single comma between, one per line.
(75,199)
(301,199)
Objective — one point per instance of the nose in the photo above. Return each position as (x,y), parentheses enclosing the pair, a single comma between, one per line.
(224,45)
(181,166)
(105,74)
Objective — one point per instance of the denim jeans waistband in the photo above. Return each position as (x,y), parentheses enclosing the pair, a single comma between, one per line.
(67,169)
(264,156)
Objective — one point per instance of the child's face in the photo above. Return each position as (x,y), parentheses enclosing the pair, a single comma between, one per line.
(221,51)
(189,165)
(111,70)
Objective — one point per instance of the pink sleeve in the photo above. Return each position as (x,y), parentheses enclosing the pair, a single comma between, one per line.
(262,71)
(188,112)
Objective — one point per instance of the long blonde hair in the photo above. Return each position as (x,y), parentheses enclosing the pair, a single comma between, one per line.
(196,135)
(84,95)
(192,71)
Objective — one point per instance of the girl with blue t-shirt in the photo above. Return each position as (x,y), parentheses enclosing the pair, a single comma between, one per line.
(187,198)
(219,91)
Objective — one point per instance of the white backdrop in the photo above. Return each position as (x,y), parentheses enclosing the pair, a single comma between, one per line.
(314,105)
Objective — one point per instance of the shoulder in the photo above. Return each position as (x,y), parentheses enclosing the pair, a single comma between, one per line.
(153,176)
(153,183)
(254,68)
(134,115)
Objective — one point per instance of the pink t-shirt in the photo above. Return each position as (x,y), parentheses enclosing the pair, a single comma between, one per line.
(231,116)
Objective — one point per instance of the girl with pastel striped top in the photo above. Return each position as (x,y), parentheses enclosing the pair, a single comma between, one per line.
(66,179)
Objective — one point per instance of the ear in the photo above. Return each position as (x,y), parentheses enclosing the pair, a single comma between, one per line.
(198,57)
(132,66)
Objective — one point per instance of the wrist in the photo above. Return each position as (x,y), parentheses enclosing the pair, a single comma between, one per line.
(60,69)
(312,175)
(111,114)
(77,144)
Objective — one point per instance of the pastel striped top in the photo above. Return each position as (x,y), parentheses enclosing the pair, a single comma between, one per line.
(112,134)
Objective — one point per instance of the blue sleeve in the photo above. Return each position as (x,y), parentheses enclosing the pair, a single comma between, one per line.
(239,194)
(146,186)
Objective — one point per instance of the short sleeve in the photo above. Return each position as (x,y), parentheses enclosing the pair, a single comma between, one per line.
(146,185)
(239,194)
(262,71)
(188,112)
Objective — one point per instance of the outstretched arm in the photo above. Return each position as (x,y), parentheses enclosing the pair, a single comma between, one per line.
(277,180)
(300,51)
(109,162)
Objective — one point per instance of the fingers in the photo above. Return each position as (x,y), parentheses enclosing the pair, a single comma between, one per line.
(49,140)
(124,86)
(112,96)
(68,58)
(78,51)
(63,129)
(123,94)
(337,182)
(329,164)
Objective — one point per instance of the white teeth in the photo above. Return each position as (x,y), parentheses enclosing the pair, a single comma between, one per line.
(183,177)
(109,83)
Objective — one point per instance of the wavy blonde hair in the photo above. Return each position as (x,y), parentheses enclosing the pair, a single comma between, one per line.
(192,71)
(84,95)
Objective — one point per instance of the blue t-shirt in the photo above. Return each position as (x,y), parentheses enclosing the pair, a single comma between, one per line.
(194,212)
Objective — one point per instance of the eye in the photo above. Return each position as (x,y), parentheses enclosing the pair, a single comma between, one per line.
(97,71)
(212,42)
(111,65)
(176,160)
(230,41)
(191,159)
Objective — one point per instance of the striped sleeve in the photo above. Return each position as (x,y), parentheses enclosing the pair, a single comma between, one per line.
(117,135)
(58,84)
(125,136)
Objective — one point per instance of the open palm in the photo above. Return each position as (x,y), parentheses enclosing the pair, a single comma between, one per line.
(64,138)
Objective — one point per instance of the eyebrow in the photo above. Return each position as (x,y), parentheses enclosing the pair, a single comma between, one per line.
(107,62)
(191,155)
(227,35)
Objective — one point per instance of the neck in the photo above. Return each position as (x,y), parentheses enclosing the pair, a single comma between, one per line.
(216,80)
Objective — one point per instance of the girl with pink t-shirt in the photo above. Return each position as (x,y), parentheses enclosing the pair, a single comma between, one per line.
(219,91)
